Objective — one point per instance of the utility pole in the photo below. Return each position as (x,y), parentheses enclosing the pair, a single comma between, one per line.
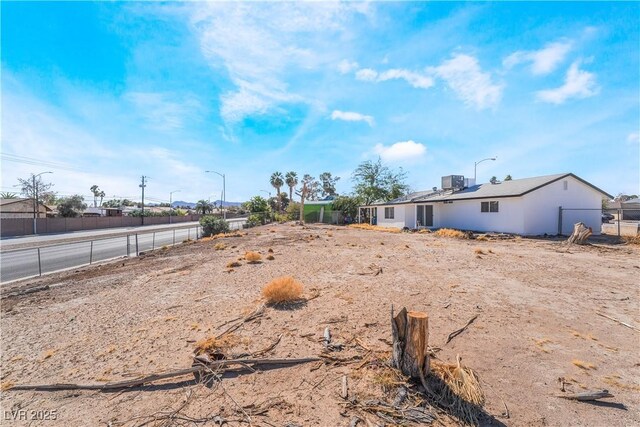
(171,203)
(142,186)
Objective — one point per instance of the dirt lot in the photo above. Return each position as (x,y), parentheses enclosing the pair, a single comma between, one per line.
(536,302)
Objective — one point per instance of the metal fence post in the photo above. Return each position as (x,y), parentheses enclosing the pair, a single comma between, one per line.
(91,253)
(188,234)
(153,242)
(559,220)
(137,252)
(174,237)
(39,263)
(128,246)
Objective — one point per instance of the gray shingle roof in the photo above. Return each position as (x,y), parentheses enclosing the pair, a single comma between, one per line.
(513,188)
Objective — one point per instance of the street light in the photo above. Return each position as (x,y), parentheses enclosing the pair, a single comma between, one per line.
(475,166)
(171,202)
(36,205)
(224,192)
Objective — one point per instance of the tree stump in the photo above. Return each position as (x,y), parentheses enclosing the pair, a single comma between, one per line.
(580,234)
(410,343)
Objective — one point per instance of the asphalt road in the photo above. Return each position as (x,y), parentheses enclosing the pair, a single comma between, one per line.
(47,256)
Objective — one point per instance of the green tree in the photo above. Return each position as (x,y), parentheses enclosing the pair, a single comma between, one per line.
(377,182)
(291,179)
(493,180)
(277,181)
(508,178)
(213,225)
(348,205)
(72,206)
(256,204)
(328,184)
(203,206)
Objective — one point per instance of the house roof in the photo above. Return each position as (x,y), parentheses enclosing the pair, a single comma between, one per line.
(512,188)
(4,202)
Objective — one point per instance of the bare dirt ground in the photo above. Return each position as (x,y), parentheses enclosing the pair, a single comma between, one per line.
(536,302)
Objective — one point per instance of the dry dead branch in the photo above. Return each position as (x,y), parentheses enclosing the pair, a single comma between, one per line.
(457,332)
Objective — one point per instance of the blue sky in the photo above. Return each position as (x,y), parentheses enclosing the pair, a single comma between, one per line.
(102,93)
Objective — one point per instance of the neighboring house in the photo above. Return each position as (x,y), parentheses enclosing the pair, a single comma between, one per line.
(630,209)
(527,206)
(91,211)
(21,208)
(320,211)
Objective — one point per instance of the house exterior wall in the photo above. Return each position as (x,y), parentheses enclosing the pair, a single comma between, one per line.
(466,215)
(398,216)
(21,209)
(541,207)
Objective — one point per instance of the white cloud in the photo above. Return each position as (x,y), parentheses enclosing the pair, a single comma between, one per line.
(350,116)
(345,67)
(367,75)
(400,151)
(414,79)
(633,138)
(465,77)
(163,111)
(261,44)
(578,84)
(543,61)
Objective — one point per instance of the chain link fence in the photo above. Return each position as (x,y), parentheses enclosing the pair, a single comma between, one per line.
(22,263)
(613,222)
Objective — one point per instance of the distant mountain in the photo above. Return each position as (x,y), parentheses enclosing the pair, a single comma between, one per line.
(192,205)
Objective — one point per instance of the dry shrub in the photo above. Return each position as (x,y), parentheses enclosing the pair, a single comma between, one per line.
(270,250)
(631,240)
(583,365)
(482,238)
(449,232)
(378,256)
(282,290)
(252,257)
(541,344)
(226,235)
(229,270)
(47,354)
(424,231)
(479,251)
(216,346)
(233,264)
(389,378)
(376,228)
(459,390)
(219,246)
(271,257)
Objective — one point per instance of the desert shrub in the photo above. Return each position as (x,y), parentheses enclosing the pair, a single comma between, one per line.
(252,257)
(282,290)
(449,232)
(233,264)
(271,257)
(280,218)
(632,240)
(213,225)
(376,228)
(255,220)
(214,346)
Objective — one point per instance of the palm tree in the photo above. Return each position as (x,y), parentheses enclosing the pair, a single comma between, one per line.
(277,181)
(8,195)
(203,206)
(291,178)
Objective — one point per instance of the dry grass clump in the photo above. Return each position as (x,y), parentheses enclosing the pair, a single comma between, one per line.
(389,378)
(226,235)
(233,264)
(482,238)
(282,290)
(376,228)
(47,354)
(632,240)
(424,231)
(458,390)
(584,365)
(270,250)
(252,257)
(449,232)
(479,251)
(216,346)
(541,344)
(271,257)
(219,246)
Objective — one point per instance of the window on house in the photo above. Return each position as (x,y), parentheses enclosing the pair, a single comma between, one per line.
(388,213)
(489,206)
(565,184)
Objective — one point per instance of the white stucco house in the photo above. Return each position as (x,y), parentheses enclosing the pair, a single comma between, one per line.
(529,206)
